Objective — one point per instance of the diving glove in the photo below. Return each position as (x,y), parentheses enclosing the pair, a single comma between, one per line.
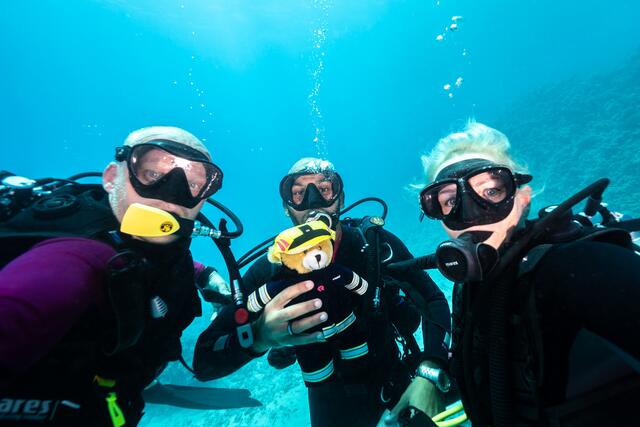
(214,289)
(282,357)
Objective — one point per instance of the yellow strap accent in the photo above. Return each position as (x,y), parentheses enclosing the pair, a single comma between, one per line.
(104,382)
(117,417)
(287,237)
(455,409)
(453,422)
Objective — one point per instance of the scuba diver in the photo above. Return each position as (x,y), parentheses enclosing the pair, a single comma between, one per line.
(313,190)
(91,315)
(546,317)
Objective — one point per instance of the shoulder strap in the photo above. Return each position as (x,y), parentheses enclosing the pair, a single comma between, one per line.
(127,298)
(615,236)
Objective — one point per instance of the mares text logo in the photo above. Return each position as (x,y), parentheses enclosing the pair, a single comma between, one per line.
(26,409)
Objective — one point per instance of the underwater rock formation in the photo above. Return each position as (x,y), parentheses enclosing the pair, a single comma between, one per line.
(576,131)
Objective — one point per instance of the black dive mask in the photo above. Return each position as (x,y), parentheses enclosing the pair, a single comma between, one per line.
(471,192)
(171,188)
(322,193)
(170,171)
(313,199)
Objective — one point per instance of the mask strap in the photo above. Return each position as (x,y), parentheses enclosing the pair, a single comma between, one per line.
(461,158)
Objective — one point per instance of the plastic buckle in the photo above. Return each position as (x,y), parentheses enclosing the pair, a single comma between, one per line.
(245,335)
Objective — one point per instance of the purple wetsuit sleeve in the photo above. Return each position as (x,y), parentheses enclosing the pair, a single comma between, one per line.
(43,293)
(198,268)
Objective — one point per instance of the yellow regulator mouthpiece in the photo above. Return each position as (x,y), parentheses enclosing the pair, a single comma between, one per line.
(146,221)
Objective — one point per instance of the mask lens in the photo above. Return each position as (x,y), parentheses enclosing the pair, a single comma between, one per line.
(294,187)
(493,186)
(150,164)
(299,188)
(439,200)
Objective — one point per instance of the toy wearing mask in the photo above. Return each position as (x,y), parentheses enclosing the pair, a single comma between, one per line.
(306,251)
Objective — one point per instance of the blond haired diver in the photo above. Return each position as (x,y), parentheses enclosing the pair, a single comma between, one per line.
(546,317)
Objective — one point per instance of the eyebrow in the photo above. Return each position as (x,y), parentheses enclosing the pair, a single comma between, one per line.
(448,190)
(490,179)
(326,179)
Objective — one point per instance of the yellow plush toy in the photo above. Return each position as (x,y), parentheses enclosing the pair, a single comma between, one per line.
(306,252)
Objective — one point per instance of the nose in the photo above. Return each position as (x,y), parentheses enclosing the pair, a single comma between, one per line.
(468,211)
(318,258)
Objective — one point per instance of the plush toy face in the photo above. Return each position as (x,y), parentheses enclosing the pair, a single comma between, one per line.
(314,258)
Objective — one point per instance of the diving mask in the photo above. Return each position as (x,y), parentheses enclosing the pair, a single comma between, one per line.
(169,171)
(471,192)
(311,189)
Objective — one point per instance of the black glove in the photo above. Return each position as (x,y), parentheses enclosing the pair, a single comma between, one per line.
(282,357)
(213,287)
(402,311)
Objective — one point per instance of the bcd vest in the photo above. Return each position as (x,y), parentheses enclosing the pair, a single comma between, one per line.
(119,342)
(524,368)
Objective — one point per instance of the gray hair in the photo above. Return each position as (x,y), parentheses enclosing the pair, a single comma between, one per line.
(311,164)
(170,133)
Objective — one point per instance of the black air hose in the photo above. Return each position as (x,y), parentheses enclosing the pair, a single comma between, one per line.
(501,402)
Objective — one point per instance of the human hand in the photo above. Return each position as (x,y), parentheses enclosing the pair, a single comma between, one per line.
(271,328)
(421,394)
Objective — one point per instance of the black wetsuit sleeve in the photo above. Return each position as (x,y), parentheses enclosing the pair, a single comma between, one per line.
(436,319)
(591,285)
(218,352)
(260,272)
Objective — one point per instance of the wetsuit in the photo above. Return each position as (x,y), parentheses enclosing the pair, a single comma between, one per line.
(55,312)
(590,285)
(578,286)
(338,403)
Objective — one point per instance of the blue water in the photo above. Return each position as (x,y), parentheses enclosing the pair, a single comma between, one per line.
(260,80)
